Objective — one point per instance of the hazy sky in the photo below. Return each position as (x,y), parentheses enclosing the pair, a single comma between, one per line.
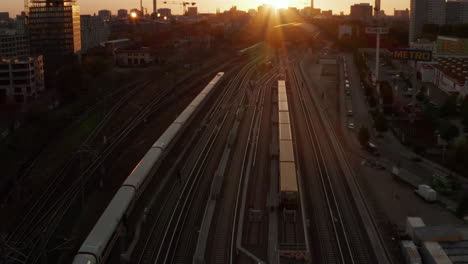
(92,6)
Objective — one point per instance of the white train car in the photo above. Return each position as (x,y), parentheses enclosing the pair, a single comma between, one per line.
(95,248)
(289,196)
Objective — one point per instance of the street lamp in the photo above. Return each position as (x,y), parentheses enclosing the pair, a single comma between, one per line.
(133,15)
(159,14)
(165,17)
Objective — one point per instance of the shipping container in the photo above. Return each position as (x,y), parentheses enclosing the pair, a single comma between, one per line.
(410,252)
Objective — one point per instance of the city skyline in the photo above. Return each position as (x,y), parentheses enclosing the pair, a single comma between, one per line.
(210,6)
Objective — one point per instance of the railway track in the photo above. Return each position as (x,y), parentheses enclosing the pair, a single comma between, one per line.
(42,220)
(164,244)
(346,240)
(256,232)
(335,218)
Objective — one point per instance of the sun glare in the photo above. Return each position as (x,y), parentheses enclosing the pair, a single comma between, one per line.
(278,3)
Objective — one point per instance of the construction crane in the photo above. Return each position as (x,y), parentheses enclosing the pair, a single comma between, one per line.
(183,4)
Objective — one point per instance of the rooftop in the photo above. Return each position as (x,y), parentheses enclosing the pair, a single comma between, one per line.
(456,68)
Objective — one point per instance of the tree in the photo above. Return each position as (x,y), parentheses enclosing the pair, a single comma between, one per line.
(462,207)
(372,101)
(380,122)
(448,131)
(364,136)
(96,65)
(431,116)
(449,108)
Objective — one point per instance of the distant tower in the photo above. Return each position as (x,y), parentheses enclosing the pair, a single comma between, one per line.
(311,4)
(377,8)
(155,7)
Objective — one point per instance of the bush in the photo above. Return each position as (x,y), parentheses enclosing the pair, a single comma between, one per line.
(462,207)
(364,136)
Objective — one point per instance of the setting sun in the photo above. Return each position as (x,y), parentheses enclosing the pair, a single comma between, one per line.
(278,3)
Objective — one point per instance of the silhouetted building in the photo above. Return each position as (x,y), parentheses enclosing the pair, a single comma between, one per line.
(192,11)
(105,15)
(4,16)
(54,27)
(122,13)
(327,14)
(425,12)
(94,31)
(21,79)
(164,12)
(14,45)
(20,23)
(133,56)
(362,12)
(457,12)
(401,14)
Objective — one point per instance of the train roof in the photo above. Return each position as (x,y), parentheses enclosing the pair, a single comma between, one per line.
(288,178)
(284,118)
(143,168)
(282,97)
(104,229)
(285,132)
(283,106)
(286,151)
(167,137)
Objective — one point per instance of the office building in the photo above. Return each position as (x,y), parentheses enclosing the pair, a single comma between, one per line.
(4,16)
(105,15)
(20,23)
(192,11)
(21,79)
(122,13)
(362,12)
(54,27)
(94,31)
(14,45)
(164,12)
(425,12)
(456,12)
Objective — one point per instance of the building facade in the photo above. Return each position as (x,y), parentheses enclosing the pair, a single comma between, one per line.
(457,12)
(452,46)
(21,79)
(133,57)
(14,46)
(4,16)
(164,12)
(105,15)
(449,74)
(192,11)
(425,12)
(54,27)
(361,12)
(122,13)
(94,31)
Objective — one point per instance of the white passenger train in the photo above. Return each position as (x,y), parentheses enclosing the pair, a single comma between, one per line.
(289,197)
(95,248)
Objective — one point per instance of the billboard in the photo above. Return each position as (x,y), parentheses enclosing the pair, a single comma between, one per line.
(376,30)
(412,54)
